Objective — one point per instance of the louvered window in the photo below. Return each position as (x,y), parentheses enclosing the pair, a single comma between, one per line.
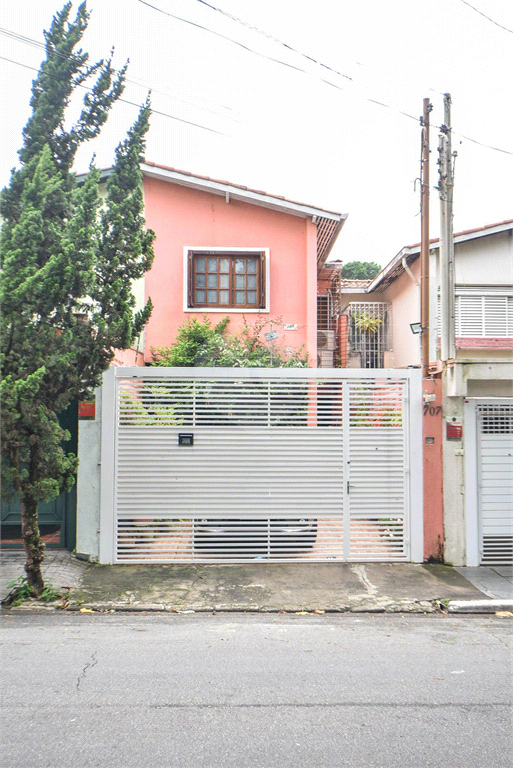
(488,316)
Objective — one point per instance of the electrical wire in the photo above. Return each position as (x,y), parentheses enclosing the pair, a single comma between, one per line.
(486,17)
(30,41)
(224,37)
(38,44)
(333,85)
(125,101)
(270,37)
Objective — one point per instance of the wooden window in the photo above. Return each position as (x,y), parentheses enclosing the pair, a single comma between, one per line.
(231,280)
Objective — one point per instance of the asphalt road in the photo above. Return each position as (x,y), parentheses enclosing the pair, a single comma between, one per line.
(123,690)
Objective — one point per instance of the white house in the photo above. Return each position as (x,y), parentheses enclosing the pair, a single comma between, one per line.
(477,385)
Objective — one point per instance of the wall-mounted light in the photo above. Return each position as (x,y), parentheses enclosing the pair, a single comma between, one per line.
(417,327)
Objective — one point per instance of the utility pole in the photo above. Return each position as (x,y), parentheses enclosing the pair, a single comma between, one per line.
(424,240)
(446,187)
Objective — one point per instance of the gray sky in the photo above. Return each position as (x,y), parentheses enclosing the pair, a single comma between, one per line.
(281,127)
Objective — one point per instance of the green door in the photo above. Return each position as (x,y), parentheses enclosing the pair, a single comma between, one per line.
(57,518)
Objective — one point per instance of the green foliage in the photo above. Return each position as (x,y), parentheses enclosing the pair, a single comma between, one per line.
(23,591)
(154,410)
(360,270)
(68,262)
(201,344)
(365,322)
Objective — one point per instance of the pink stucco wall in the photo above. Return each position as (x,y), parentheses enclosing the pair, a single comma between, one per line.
(432,423)
(181,216)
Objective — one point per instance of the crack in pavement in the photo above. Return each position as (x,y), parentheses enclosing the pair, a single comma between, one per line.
(360,571)
(89,665)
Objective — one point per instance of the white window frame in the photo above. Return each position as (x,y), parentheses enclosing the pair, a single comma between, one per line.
(219,249)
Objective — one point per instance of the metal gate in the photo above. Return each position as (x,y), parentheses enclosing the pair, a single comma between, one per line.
(495,482)
(233,465)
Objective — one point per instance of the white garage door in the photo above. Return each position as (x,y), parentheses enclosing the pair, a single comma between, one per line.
(495,475)
(205,465)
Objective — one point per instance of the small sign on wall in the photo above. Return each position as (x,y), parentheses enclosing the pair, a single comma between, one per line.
(453,430)
(87,410)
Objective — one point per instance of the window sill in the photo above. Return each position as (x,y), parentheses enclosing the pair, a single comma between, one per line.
(227,310)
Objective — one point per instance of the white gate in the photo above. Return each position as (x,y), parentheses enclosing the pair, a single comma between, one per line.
(495,476)
(232,465)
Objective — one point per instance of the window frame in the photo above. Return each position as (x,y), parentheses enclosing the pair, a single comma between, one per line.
(262,254)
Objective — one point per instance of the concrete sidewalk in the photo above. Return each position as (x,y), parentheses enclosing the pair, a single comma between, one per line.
(249,587)
(268,587)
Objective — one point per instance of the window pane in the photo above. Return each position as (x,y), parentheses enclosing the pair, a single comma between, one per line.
(252,265)
(200,281)
(251,281)
(224,281)
(212,281)
(240,265)
(251,297)
(212,265)
(240,297)
(224,265)
(212,297)
(200,263)
(224,297)
(200,297)
(240,281)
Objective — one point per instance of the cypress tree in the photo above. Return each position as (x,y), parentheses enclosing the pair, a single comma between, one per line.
(68,261)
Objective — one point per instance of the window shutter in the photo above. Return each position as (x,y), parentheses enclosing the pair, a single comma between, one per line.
(495,316)
(262,280)
(486,316)
(190,280)
(469,316)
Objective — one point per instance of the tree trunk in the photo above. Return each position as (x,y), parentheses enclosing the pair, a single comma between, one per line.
(34,547)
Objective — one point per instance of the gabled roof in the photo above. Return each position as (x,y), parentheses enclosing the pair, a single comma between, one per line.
(329,223)
(411,252)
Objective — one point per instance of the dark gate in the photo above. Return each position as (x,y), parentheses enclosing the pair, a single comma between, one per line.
(57,518)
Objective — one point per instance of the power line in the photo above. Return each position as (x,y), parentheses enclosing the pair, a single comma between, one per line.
(38,44)
(274,39)
(224,37)
(327,82)
(30,41)
(125,101)
(486,17)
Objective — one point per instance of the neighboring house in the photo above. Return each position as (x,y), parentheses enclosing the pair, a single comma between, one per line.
(477,385)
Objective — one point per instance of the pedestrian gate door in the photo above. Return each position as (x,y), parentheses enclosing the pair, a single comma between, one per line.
(495,474)
(232,465)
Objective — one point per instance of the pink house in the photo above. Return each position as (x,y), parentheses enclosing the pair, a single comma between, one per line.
(223,249)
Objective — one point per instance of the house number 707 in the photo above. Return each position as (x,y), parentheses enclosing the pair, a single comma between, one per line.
(433,410)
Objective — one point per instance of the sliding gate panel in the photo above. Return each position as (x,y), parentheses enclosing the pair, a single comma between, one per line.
(224,465)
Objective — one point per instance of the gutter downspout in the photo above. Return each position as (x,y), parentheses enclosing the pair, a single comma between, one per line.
(416,282)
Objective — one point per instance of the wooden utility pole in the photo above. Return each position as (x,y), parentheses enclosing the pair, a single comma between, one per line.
(424,240)
(446,186)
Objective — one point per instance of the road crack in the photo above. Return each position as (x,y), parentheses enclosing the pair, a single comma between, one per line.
(89,665)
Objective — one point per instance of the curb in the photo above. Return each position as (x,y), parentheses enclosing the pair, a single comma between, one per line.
(411,606)
(479,606)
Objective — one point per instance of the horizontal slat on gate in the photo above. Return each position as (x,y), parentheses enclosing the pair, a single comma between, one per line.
(254,470)
(186,539)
